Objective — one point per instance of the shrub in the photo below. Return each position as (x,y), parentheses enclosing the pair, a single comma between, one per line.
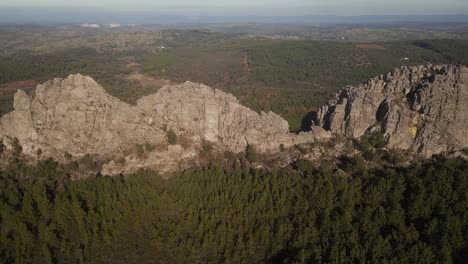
(120,161)
(303,165)
(378,140)
(207,147)
(465,151)
(282,147)
(183,141)
(229,155)
(17,149)
(149,147)
(140,150)
(68,156)
(88,162)
(375,139)
(394,156)
(364,144)
(369,155)
(251,153)
(171,137)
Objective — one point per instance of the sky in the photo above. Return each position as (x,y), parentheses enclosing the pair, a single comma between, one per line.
(258,7)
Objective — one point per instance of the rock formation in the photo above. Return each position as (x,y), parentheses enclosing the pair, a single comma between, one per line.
(423,109)
(76,116)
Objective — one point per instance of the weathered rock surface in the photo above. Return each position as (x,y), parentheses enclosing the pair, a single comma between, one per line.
(76,116)
(423,109)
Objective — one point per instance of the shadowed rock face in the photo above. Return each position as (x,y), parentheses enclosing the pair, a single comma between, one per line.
(423,109)
(76,116)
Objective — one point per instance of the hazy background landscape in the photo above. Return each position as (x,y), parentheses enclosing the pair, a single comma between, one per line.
(337,200)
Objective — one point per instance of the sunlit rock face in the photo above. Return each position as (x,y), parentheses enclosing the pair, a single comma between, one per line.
(421,108)
(76,116)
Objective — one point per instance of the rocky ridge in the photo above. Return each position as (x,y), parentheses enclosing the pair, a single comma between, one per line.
(423,109)
(75,116)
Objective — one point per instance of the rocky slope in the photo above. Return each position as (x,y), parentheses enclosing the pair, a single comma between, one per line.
(75,116)
(423,109)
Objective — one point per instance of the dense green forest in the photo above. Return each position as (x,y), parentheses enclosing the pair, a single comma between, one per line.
(104,68)
(453,50)
(294,77)
(346,213)
(42,67)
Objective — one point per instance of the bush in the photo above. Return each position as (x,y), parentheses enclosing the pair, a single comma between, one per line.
(68,156)
(88,162)
(17,149)
(149,147)
(465,151)
(303,165)
(183,141)
(282,148)
(120,161)
(140,150)
(394,156)
(207,147)
(378,140)
(229,155)
(375,139)
(251,153)
(171,137)
(369,155)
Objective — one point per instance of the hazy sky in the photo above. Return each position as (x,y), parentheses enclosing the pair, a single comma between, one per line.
(262,7)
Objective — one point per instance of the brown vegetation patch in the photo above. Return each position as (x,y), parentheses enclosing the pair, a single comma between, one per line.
(19,84)
(147,81)
(370,46)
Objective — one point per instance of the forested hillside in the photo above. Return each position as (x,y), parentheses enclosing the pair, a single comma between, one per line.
(298,214)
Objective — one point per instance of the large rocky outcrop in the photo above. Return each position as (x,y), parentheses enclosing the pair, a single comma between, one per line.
(76,116)
(423,109)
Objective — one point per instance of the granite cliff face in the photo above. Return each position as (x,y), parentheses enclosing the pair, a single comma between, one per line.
(423,109)
(76,116)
